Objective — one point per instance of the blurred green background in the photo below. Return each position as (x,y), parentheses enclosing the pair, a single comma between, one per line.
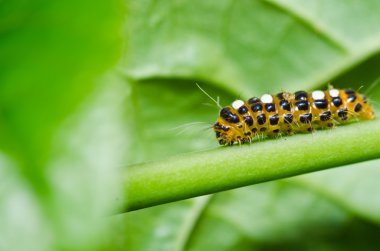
(90,87)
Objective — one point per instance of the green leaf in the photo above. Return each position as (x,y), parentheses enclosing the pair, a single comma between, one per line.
(244,49)
(51,54)
(355,191)
(251,47)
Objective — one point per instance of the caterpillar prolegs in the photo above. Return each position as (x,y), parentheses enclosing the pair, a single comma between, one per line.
(288,113)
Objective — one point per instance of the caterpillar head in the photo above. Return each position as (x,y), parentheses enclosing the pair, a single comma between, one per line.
(227,127)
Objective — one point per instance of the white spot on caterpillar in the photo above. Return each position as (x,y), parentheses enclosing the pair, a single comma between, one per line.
(266,99)
(334,93)
(237,104)
(318,95)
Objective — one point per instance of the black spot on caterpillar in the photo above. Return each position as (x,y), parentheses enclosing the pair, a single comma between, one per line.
(288,113)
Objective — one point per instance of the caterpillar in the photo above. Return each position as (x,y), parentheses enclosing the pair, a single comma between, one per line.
(287,113)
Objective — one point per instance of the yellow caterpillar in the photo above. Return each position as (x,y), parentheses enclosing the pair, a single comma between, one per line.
(287,113)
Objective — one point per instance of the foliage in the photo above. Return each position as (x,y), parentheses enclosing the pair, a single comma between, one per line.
(66,129)
(52,180)
(243,49)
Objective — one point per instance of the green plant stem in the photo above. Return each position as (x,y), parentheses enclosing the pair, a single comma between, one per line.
(189,175)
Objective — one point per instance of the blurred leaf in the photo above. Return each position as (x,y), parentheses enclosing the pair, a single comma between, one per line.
(51,54)
(352,187)
(286,215)
(58,159)
(251,47)
(169,122)
(243,49)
